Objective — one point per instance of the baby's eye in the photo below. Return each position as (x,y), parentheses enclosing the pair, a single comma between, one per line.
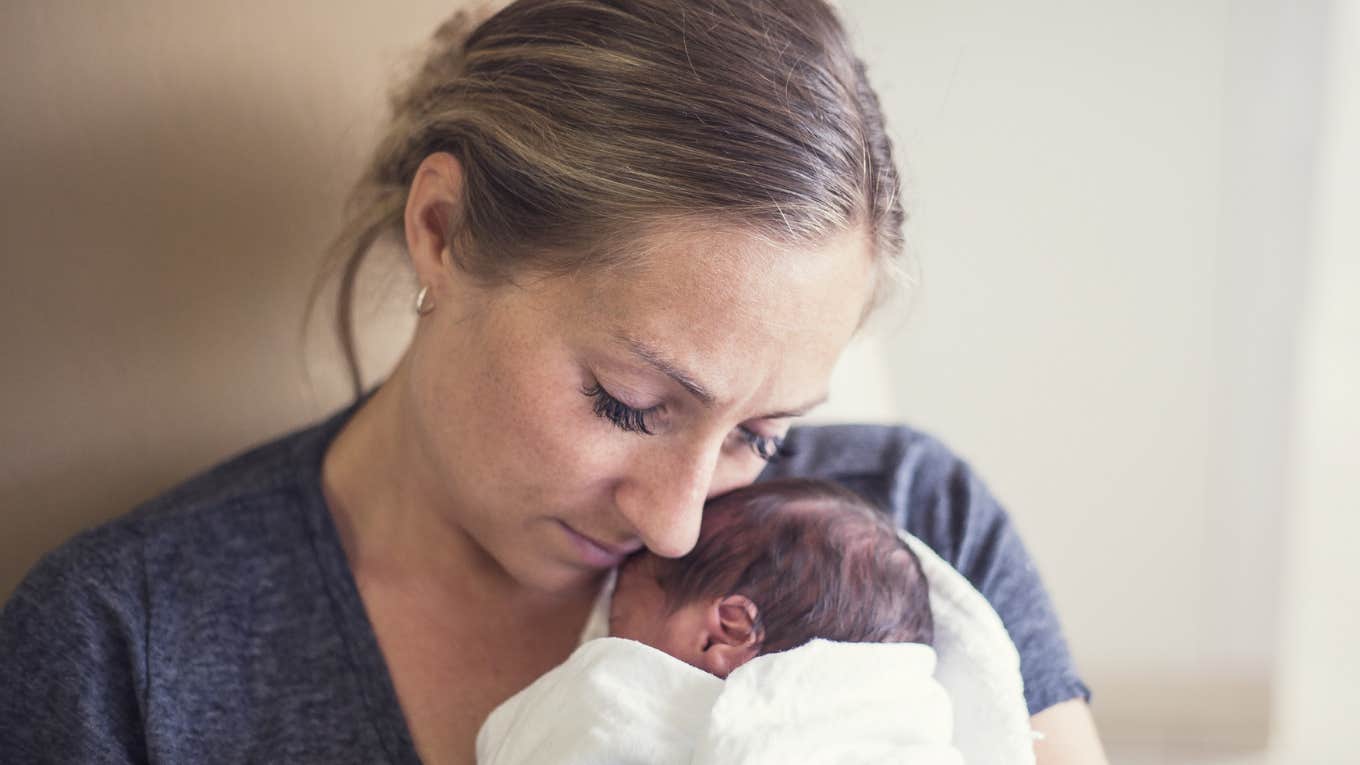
(768,448)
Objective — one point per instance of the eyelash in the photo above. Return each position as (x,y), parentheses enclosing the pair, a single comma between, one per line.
(768,448)
(632,420)
(625,417)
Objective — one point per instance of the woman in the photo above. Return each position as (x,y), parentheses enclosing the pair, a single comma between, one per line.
(644,231)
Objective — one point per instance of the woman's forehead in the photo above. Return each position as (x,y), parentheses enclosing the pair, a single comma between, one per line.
(728,280)
(728,259)
(709,308)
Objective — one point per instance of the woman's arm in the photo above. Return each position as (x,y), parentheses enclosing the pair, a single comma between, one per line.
(1070,736)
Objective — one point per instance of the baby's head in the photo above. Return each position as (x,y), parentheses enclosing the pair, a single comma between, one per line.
(777,564)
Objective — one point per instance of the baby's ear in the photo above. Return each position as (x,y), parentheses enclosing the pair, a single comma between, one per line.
(734,638)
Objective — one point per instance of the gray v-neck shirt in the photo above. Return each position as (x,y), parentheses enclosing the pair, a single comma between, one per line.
(220,622)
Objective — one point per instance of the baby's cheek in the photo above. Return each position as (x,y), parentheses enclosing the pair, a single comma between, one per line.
(625,617)
(638,604)
(618,610)
(619,614)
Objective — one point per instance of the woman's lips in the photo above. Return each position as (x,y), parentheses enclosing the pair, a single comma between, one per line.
(597,554)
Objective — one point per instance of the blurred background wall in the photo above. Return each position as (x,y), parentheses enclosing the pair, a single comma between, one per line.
(1133,318)
(1113,211)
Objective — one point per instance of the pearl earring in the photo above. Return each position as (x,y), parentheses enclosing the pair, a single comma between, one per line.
(421,307)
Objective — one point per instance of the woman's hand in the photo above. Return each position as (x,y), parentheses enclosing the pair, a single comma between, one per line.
(1070,736)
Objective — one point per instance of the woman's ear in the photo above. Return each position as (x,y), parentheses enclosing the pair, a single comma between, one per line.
(433,206)
(733,635)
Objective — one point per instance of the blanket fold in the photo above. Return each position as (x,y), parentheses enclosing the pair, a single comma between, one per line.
(614,701)
(619,701)
(828,702)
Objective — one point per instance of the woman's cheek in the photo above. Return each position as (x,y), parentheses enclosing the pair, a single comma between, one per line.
(575,449)
(548,419)
(737,466)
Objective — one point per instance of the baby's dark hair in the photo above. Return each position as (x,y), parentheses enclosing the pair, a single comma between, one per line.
(817,560)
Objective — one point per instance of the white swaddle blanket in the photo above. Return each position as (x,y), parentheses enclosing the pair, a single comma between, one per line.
(651,711)
(827,702)
(619,701)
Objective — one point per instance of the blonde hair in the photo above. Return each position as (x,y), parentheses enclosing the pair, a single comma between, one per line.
(580,124)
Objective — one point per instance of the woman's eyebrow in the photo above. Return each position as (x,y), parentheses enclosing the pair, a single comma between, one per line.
(798,411)
(658,361)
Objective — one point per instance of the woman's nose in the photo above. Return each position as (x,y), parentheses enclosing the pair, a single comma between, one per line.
(664,499)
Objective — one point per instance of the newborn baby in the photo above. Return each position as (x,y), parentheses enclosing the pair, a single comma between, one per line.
(776,565)
(797,630)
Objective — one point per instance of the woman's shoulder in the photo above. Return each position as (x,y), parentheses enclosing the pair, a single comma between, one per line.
(913,477)
(178,607)
(240,506)
(904,470)
(831,450)
(281,465)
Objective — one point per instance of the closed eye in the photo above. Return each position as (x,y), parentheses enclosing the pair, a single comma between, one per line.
(768,448)
(626,418)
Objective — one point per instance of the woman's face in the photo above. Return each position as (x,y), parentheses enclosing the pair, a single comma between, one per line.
(571,420)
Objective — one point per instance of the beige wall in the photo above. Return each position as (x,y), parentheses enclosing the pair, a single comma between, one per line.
(169,174)
(1320,625)
(1111,202)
